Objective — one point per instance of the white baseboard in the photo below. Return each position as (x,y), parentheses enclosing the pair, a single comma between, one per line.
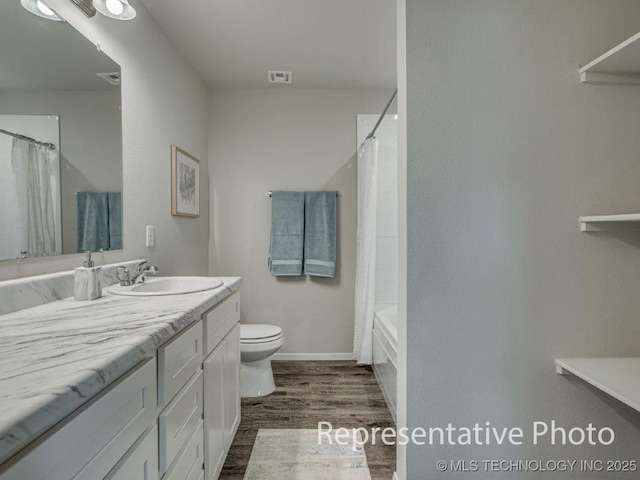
(313,356)
(395,476)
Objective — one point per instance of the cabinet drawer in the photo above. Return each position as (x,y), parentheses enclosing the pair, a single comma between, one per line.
(140,462)
(178,361)
(90,443)
(219,321)
(190,461)
(179,420)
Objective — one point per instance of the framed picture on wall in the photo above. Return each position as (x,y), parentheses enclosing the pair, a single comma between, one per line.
(185,183)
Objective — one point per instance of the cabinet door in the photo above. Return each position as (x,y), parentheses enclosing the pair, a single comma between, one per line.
(231,386)
(141,462)
(214,395)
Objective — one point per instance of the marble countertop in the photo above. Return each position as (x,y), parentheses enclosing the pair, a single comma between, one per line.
(56,357)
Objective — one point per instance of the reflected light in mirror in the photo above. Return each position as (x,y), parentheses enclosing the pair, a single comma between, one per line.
(39,8)
(115,6)
(117,9)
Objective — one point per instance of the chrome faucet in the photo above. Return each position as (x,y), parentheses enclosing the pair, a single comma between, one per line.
(126,279)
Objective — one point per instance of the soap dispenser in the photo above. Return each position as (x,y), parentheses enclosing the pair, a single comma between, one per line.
(87,281)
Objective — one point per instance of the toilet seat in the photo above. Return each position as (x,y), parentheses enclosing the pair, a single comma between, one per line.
(258,333)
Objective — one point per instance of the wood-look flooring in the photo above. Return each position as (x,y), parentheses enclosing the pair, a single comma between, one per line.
(310,392)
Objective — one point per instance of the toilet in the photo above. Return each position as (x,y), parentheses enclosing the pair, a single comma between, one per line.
(257,344)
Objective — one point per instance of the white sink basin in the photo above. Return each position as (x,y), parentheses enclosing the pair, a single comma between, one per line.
(167,286)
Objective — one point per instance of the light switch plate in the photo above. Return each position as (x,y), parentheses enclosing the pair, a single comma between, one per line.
(151,236)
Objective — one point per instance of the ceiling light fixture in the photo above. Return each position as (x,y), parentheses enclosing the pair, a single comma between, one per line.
(39,8)
(118,9)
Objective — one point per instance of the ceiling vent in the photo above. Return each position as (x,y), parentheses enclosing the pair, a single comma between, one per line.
(278,76)
(113,78)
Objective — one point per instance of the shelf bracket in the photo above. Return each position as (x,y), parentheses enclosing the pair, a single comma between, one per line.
(562,371)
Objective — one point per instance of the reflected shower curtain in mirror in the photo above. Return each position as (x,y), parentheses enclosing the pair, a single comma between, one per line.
(366,251)
(35,187)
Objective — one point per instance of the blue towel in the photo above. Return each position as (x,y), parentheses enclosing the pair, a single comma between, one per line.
(320,233)
(93,221)
(287,233)
(115,221)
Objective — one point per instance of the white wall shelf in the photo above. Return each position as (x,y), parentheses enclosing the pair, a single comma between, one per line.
(618,377)
(618,66)
(628,222)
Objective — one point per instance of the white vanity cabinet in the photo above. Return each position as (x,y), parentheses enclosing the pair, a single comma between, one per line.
(172,418)
(87,446)
(221,384)
(208,354)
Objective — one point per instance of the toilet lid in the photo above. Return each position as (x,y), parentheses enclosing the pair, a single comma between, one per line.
(255,332)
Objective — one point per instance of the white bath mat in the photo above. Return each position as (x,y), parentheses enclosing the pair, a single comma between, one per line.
(296,455)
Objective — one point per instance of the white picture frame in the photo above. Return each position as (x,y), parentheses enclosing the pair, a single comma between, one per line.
(185,183)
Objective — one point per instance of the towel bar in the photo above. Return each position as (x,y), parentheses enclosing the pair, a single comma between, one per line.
(337,193)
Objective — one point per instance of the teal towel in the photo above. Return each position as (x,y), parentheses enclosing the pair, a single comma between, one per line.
(287,233)
(93,221)
(115,221)
(320,233)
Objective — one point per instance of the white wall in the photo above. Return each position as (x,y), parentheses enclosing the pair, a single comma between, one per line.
(163,103)
(286,139)
(505,150)
(387,205)
(90,143)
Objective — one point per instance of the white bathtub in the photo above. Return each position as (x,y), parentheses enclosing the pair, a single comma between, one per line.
(385,353)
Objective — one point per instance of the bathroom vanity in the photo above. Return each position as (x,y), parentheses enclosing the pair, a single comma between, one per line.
(121,387)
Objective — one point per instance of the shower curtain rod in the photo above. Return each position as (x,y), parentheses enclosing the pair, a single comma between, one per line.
(384,112)
(50,146)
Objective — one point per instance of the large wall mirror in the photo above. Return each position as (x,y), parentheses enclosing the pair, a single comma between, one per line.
(60,139)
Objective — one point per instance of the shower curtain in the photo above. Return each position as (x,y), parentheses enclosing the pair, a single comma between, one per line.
(33,176)
(366,251)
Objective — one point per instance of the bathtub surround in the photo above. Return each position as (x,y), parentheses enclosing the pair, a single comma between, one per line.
(286,139)
(81,348)
(506,149)
(385,355)
(155,115)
